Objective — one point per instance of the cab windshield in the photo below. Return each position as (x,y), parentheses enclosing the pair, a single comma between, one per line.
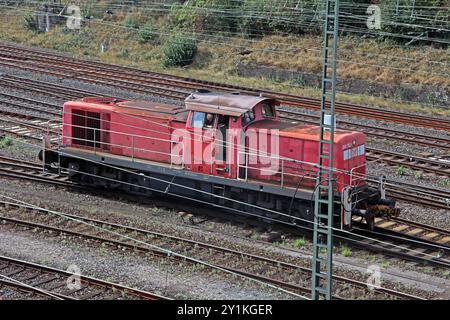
(248,117)
(268,111)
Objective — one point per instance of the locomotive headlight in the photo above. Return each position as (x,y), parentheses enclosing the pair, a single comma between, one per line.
(354,142)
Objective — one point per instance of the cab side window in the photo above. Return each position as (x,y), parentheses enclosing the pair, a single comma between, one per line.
(198,118)
(203,120)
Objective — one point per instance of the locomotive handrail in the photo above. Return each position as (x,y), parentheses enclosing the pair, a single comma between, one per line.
(240,148)
(118,145)
(283,173)
(351,174)
(260,154)
(152,130)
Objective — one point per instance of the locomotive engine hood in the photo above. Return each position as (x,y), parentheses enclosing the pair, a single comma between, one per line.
(306,132)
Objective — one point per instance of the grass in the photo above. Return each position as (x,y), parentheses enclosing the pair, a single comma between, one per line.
(357,59)
(6,142)
(446,182)
(218,63)
(254,236)
(345,251)
(401,171)
(418,175)
(298,243)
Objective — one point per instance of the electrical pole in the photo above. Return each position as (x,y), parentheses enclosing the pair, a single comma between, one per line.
(323,203)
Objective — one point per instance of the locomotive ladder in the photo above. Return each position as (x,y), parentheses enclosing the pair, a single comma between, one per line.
(323,203)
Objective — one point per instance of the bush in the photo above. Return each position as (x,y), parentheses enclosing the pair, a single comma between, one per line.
(179,50)
(414,20)
(205,15)
(418,175)
(401,171)
(6,142)
(299,242)
(345,251)
(129,23)
(148,34)
(29,21)
(291,16)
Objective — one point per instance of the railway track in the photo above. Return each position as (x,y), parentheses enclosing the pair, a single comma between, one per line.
(390,242)
(164,85)
(98,79)
(437,166)
(60,92)
(295,278)
(14,103)
(30,129)
(414,193)
(31,171)
(52,282)
(407,239)
(415,230)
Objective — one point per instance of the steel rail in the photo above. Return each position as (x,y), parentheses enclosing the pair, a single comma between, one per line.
(266,264)
(54,280)
(386,248)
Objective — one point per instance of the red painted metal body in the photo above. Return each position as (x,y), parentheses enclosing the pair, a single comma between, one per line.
(241,135)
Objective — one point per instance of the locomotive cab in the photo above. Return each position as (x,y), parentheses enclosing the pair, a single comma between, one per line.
(217,125)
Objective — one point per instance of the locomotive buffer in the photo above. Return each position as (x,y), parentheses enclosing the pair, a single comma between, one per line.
(323,203)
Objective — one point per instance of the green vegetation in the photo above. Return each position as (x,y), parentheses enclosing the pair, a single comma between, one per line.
(280,17)
(139,39)
(345,251)
(298,243)
(29,21)
(418,175)
(148,34)
(129,23)
(297,81)
(446,182)
(179,50)
(6,142)
(254,236)
(401,171)
(385,264)
(407,17)
(205,15)
(265,17)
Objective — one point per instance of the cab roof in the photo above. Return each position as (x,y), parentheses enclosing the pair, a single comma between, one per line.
(230,104)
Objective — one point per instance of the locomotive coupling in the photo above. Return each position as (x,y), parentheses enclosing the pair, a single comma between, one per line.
(382,210)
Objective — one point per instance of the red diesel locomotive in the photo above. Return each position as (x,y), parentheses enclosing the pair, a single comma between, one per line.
(225,150)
